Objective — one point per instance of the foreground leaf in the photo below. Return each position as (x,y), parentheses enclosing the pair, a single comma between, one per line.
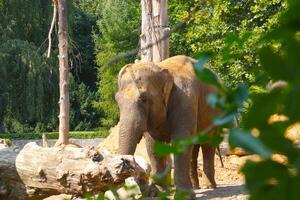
(244,139)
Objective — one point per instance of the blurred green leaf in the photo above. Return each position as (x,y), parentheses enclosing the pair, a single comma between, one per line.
(162,149)
(244,139)
(292,104)
(223,120)
(205,74)
(215,140)
(276,67)
(212,100)
(201,138)
(263,106)
(268,180)
(241,95)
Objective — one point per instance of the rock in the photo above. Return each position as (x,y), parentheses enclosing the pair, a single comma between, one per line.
(130,190)
(3,144)
(59,197)
(110,195)
(237,151)
(240,161)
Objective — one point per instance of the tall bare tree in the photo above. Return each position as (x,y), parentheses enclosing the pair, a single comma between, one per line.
(64,103)
(155,30)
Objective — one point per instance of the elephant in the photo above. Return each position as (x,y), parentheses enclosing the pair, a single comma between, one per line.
(166,101)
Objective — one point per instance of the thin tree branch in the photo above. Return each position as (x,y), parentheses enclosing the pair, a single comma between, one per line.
(51,28)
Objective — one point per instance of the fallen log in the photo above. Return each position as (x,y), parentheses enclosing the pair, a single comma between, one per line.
(36,172)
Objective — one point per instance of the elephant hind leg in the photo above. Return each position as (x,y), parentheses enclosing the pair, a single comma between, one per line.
(208,152)
(160,166)
(194,167)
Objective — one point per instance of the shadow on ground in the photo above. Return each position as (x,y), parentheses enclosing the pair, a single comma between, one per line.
(223,192)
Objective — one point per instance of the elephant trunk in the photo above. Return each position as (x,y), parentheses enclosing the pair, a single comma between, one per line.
(131,128)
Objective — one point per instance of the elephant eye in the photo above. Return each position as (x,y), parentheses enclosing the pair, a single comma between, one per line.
(143,97)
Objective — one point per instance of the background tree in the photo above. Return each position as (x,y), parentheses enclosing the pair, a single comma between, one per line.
(155,31)
(28,85)
(117,34)
(27,81)
(220,22)
(64,100)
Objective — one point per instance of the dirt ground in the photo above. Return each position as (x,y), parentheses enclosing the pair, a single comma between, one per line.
(229,180)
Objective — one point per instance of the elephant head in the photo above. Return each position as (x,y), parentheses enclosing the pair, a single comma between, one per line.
(142,96)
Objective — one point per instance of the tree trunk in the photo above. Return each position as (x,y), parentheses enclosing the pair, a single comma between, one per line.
(146,38)
(37,172)
(160,31)
(155,30)
(64,103)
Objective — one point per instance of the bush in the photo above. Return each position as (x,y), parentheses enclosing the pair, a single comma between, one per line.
(83,115)
(100,133)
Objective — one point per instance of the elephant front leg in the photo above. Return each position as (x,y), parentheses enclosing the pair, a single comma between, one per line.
(182,165)
(208,152)
(160,168)
(194,167)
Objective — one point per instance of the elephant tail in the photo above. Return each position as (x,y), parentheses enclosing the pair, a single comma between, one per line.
(220,156)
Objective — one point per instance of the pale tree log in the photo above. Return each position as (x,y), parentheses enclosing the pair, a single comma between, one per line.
(38,172)
(64,103)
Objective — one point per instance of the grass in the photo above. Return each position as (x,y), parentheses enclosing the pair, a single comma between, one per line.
(100,133)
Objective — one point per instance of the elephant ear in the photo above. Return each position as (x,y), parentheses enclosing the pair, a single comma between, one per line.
(167,85)
(121,73)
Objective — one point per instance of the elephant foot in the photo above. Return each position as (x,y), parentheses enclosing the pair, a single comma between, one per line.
(184,193)
(208,184)
(195,183)
(153,190)
(196,187)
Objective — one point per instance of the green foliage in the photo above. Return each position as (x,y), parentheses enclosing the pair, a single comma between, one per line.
(29,81)
(119,27)
(28,85)
(282,180)
(18,23)
(222,25)
(250,143)
(82,23)
(83,116)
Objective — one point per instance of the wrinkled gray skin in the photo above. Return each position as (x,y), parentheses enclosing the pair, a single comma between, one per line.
(168,101)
